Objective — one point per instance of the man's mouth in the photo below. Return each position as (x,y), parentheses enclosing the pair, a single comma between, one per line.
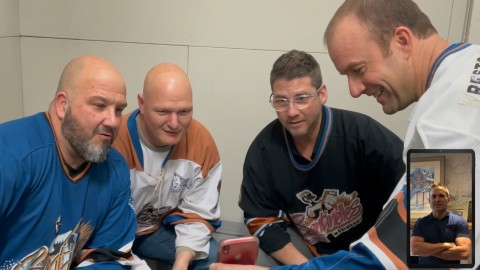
(377,93)
(105,133)
(294,123)
(171,133)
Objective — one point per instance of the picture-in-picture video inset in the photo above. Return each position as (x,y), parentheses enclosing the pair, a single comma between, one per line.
(440,212)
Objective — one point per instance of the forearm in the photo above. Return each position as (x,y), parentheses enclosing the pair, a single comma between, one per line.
(289,254)
(183,258)
(455,253)
(428,249)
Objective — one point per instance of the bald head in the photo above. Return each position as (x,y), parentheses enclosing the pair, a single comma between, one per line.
(381,18)
(167,78)
(166,104)
(85,70)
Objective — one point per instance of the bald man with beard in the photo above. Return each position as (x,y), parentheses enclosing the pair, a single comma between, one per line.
(65,197)
(175,172)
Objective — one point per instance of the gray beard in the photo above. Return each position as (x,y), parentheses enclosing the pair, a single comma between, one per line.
(80,140)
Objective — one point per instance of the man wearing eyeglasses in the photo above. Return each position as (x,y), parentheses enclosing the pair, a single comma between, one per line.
(315,167)
(441,237)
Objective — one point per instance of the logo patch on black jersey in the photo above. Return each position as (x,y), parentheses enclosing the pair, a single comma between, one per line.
(332,214)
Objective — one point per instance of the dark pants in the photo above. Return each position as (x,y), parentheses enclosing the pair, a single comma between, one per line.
(160,246)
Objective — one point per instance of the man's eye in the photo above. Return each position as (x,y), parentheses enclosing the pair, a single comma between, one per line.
(280,101)
(358,70)
(302,98)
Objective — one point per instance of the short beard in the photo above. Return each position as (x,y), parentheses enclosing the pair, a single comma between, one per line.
(79,140)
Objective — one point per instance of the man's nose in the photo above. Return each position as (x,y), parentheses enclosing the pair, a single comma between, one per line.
(355,86)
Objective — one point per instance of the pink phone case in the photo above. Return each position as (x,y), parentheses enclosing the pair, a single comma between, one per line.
(243,250)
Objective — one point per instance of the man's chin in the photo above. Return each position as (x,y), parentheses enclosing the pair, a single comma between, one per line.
(170,139)
(389,110)
(96,157)
(296,132)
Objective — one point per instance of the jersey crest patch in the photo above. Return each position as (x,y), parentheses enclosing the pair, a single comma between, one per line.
(332,214)
(180,182)
(61,252)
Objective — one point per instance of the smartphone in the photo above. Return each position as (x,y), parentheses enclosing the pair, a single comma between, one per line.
(243,250)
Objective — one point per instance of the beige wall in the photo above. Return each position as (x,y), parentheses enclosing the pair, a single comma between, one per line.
(473,29)
(227,48)
(10,71)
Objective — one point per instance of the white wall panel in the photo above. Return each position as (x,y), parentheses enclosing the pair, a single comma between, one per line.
(10,79)
(9,18)
(271,24)
(448,16)
(44,59)
(250,24)
(474,30)
(458,22)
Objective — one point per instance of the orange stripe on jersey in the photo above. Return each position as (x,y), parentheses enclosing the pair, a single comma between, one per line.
(313,249)
(203,221)
(150,230)
(64,166)
(372,233)
(192,217)
(257,223)
(83,256)
(205,155)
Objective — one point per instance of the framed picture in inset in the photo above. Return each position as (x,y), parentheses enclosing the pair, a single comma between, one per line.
(424,172)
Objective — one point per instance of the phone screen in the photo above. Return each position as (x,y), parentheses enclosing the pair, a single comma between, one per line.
(440,179)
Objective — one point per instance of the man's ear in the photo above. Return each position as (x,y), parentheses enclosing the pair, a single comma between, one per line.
(140,102)
(61,104)
(323,94)
(402,40)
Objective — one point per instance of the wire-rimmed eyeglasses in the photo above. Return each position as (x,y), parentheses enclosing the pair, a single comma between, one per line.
(301,102)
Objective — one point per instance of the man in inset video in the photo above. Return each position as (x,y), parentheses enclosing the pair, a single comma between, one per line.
(441,237)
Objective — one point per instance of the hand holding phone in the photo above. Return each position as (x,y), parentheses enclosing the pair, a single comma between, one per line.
(243,250)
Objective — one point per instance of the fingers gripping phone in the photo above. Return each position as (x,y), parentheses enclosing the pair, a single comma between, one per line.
(243,250)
